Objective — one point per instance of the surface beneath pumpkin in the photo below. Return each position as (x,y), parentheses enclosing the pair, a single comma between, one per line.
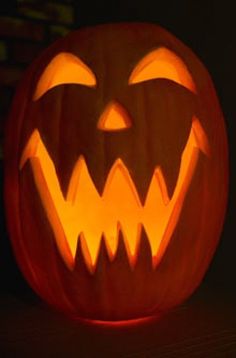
(203,327)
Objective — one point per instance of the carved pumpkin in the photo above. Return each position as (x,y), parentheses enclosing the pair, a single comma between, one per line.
(116,172)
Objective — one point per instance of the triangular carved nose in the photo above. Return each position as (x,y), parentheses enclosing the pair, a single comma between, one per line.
(114,118)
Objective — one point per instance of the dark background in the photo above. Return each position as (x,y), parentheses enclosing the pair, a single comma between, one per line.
(209,29)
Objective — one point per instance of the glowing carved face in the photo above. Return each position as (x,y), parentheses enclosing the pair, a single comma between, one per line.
(115,172)
(84,213)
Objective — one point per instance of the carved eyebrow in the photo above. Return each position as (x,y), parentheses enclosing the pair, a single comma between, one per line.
(64,68)
(162,63)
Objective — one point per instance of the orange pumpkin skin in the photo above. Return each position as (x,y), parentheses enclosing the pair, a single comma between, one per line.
(161,113)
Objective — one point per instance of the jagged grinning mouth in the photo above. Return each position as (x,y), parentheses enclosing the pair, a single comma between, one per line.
(86,215)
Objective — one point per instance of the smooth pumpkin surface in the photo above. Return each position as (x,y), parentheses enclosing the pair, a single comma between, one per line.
(116,172)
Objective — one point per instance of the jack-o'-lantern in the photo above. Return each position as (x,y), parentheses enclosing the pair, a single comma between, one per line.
(116,172)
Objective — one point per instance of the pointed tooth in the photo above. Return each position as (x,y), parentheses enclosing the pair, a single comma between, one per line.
(119,181)
(80,262)
(142,178)
(103,259)
(90,251)
(73,186)
(111,241)
(170,171)
(81,187)
(121,254)
(157,188)
(144,257)
(155,224)
(154,195)
(131,237)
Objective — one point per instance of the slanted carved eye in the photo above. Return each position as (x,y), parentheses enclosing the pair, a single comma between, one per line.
(162,63)
(64,68)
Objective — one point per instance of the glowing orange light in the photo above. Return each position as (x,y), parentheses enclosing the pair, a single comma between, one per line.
(162,63)
(114,118)
(86,214)
(122,323)
(64,68)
